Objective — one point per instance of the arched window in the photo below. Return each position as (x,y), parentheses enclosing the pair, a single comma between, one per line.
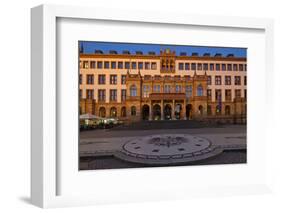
(102,112)
(218,109)
(209,110)
(200,110)
(133,111)
(227,110)
(133,91)
(123,112)
(113,112)
(199,90)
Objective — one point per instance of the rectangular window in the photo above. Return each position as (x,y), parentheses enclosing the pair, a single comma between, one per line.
(205,66)
(212,67)
(180,66)
(113,65)
(123,79)
(120,65)
(223,67)
(209,93)
(218,67)
(123,95)
(90,79)
(153,66)
(217,80)
(127,65)
(218,94)
(237,93)
(106,64)
(237,80)
(80,79)
(235,67)
(99,64)
(245,80)
(92,64)
(245,94)
(178,88)
(241,67)
(113,79)
(147,65)
(188,91)
(80,94)
(90,94)
(229,67)
(156,88)
(101,79)
(167,88)
(199,66)
(227,80)
(113,95)
(140,65)
(193,66)
(228,94)
(101,94)
(245,67)
(209,80)
(134,65)
(146,90)
(187,66)
(85,64)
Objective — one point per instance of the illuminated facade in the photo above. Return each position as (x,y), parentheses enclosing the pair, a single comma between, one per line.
(133,87)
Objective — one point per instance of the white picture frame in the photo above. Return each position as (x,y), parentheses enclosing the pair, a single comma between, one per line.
(44,149)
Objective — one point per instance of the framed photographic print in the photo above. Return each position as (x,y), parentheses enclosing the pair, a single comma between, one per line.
(146,105)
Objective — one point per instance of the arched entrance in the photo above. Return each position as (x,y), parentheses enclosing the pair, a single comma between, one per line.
(167,112)
(123,112)
(200,110)
(102,112)
(178,109)
(113,112)
(156,111)
(145,112)
(189,111)
(227,110)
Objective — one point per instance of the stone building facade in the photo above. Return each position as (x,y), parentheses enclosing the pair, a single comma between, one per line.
(133,87)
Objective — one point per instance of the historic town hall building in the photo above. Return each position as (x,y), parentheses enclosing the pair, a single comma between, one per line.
(134,86)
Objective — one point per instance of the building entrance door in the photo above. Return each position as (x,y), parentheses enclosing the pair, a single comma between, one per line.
(168,112)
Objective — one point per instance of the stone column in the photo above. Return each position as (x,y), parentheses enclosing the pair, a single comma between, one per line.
(162,110)
(150,111)
(173,110)
(184,109)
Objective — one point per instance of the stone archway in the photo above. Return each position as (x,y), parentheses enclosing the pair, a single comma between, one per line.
(145,112)
(178,110)
(156,112)
(102,112)
(189,111)
(168,112)
(113,112)
(200,110)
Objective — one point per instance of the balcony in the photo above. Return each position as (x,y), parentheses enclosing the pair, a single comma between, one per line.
(162,96)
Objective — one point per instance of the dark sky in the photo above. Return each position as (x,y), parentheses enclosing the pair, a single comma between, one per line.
(91,46)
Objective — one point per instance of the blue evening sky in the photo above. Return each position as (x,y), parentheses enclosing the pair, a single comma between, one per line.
(91,46)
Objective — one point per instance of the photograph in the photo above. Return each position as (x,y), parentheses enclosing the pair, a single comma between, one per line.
(158,105)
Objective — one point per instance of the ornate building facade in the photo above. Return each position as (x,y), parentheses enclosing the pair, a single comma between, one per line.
(137,86)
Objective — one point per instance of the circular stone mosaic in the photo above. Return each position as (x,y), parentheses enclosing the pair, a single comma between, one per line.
(167,148)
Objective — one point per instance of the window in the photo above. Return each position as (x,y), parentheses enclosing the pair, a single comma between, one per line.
(218,67)
(153,66)
(234,67)
(218,94)
(123,95)
(217,80)
(199,66)
(133,91)
(156,88)
(178,88)
(147,65)
(211,67)
(223,67)
(237,80)
(90,79)
(237,93)
(80,79)
(90,94)
(228,95)
(146,89)
(92,64)
(99,64)
(85,64)
(80,93)
(205,66)
(134,65)
(187,66)
(113,95)
(241,67)
(123,79)
(101,94)
(227,80)
(140,65)
(113,65)
(209,80)
(133,111)
(229,67)
(180,66)
(120,65)
(193,66)
(209,93)
(245,67)
(245,94)
(188,91)
(127,65)
(101,79)
(245,80)
(199,90)
(113,79)
(167,88)
(106,65)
